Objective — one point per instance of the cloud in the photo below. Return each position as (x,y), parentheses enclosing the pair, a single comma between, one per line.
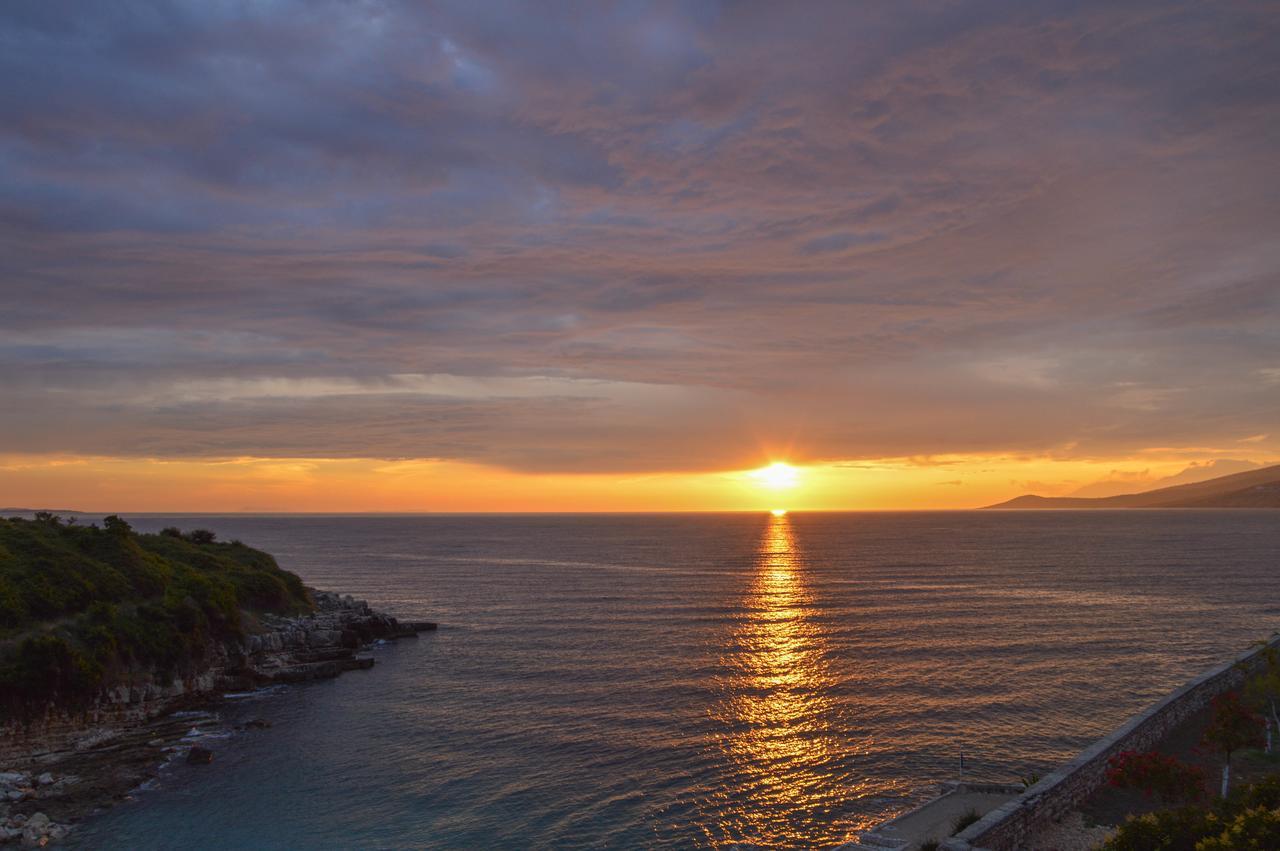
(697,229)
(840,242)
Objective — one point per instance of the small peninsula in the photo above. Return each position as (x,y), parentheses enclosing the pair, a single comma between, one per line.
(105,633)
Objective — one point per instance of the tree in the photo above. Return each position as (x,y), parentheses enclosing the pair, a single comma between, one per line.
(1264,691)
(201,536)
(116,525)
(1232,727)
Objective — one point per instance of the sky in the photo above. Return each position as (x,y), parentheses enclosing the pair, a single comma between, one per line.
(381,256)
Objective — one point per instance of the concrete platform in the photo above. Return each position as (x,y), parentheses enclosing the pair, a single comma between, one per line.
(934,819)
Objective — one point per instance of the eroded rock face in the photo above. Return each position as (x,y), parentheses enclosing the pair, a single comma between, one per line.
(286,650)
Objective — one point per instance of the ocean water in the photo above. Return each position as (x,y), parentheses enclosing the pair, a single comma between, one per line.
(704,680)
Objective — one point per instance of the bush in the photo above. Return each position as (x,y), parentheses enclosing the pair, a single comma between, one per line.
(1156,774)
(1167,830)
(1258,828)
(47,669)
(1263,793)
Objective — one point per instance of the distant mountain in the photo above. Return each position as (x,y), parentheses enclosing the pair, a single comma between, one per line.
(1254,489)
(1196,472)
(10,511)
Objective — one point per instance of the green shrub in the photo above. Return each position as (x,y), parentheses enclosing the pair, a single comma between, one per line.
(1168,830)
(1258,828)
(48,669)
(1263,793)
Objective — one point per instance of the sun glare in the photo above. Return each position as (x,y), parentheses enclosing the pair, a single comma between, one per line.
(777,476)
(779,512)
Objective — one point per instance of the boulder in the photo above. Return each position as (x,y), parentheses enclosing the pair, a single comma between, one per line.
(39,821)
(45,779)
(32,838)
(199,755)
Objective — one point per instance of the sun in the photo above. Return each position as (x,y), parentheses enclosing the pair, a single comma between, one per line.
(777,476)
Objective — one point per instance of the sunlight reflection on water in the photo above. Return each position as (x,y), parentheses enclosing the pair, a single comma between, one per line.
(785,733)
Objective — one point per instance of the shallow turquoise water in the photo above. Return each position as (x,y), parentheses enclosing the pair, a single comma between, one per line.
(704,680)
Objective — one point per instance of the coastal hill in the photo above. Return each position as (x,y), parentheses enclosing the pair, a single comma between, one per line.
(1252,489)
(85,609)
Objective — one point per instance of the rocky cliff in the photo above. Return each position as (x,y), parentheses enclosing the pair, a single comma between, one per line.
(62,765)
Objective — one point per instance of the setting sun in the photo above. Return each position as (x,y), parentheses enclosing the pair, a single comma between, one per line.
(778,476)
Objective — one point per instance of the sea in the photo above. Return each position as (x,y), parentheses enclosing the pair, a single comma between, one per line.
(701,680)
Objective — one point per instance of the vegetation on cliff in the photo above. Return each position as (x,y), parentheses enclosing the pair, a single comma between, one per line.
(84,608)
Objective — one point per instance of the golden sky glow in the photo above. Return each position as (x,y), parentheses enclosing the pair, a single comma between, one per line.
(357,485)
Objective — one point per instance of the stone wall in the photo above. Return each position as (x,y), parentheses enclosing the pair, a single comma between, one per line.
(1008,827)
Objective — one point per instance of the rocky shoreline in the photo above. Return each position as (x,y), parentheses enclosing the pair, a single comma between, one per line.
(58,770)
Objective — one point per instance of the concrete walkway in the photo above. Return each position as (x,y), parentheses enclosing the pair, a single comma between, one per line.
(934,819)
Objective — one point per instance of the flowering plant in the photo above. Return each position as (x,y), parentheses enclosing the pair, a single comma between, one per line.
(1156,774)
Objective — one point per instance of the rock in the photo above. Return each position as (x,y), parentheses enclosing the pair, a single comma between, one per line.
(323,637)
(39,822)
(12,778)
(257,724)
(58,832)
(199,755)
(19,820)
(32,838)
(45,779)
(16,795)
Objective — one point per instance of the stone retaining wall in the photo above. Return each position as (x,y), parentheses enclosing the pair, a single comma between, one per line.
(1008,827)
